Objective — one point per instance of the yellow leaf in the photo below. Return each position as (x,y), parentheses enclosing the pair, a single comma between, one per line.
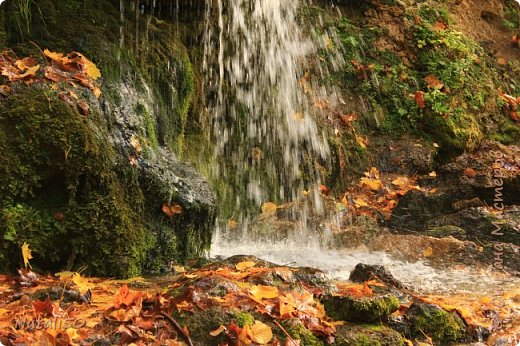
(245,265)
(218,331)
(269,208)
(3,312)
(191,276)
(64,275)
(81,282)
(433,174)
(362,141)
(261,333)
(179,269)
(372,184)
(360,202)
(260,292)
(232,224)
(26,252)
(53,55)
(428,252)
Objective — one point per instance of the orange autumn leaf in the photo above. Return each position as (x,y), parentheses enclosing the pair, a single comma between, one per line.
(171,209)
(269,208)
(433,82)
(125,297)
(470,172)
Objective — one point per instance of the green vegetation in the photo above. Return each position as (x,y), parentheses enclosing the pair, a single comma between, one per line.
(442,326)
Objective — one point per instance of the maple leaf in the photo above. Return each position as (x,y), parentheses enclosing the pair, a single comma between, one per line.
(27,255)
(26,63)
(43,307)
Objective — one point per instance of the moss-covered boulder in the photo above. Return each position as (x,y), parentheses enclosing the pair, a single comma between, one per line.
(367,335)
(89,189)
(366,309)
(298,331)
(442,326)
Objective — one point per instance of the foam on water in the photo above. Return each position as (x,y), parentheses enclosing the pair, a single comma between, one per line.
(338,264)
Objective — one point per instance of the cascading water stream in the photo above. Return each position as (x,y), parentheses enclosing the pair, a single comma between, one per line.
(267,142)
(263,126)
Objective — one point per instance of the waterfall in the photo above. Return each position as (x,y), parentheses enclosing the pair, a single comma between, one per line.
(262,122)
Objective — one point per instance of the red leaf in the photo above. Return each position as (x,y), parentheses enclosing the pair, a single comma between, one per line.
(43,307)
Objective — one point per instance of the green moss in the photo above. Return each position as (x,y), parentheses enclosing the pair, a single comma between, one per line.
(244,318)
(298,331)
(440,325)
(367,309)
(368,335)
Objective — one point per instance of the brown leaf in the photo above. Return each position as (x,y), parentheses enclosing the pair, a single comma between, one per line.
(83,107)
(269,208)
(5,90)
(26,63)
(439,26)
(43,307)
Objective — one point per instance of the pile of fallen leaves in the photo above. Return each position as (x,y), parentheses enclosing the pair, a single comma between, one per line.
(377,196)
(65,72)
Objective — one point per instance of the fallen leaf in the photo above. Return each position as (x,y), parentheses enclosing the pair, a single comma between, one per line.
(232,224)
(433,174)
(428,252)
(502,61)
(259,292)
(470,173)
(244,265)
(5,90)
(269,208)
(433,82)
(26,63)
(171,210)
(261,333)
(218,331)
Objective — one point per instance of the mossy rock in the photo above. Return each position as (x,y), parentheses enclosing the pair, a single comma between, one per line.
(366,309)
(298,331)
(367,335)
(442,326)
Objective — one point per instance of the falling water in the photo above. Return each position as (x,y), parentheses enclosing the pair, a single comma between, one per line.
(263,128)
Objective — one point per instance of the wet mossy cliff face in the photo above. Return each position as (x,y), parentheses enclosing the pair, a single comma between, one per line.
(88,191)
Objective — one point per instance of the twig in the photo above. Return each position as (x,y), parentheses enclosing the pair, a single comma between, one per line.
(283,330)
(178,327)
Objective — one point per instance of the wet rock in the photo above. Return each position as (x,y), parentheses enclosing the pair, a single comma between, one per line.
(442,326)
(366,309)
(365,272)
(350,335)
(57,293)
